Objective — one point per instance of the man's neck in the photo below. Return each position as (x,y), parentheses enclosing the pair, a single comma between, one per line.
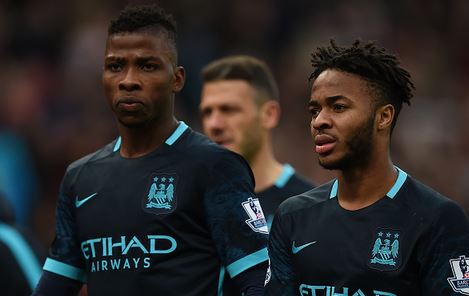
(140,141)
(266,168)
(361,187)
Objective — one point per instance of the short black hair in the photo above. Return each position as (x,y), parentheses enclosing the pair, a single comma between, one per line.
(139,18)
(380,69)
(247,68)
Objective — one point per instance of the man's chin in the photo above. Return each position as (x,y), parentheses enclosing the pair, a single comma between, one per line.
(132,123)
(332,164)
(329,165)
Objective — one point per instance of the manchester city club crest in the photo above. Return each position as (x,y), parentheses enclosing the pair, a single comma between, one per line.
(160,197)
(385,255)
(256,219)
(460,281)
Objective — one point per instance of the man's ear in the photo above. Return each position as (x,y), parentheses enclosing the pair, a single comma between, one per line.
(384,117)
(179,79)
(270,114)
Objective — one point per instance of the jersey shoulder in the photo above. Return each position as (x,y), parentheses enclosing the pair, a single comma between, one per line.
(300,183)
(421,196)
(200,148)
(197,144)
(306,200)
(428,203)
(74,168)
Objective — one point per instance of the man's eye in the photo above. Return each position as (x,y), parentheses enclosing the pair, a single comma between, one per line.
(149,67)
(114,67)
(205,113)
(339,107)
(314,112)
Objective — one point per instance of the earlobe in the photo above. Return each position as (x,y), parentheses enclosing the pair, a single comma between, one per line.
(385,116)
(179,79)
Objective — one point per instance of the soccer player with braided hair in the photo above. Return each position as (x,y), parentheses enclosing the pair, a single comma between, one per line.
(374,229)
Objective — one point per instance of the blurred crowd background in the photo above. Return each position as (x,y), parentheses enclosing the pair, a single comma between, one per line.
(52,107)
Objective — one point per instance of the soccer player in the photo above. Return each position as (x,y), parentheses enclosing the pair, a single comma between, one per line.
(379,231)
(19,264)
(162,210)
(239,108)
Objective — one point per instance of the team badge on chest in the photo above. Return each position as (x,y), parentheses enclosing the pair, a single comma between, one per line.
(160,197)
(385,253)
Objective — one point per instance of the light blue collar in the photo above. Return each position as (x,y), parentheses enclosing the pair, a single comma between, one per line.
(287,172)
(401,177)
(182,126)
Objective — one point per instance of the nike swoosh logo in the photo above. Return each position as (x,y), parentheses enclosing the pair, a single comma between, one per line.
(295,250)
(79,203)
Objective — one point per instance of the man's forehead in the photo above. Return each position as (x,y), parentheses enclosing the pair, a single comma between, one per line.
(336,79)
(141,41)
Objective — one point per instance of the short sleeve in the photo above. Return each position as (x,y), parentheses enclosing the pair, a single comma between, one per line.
(65,257)
(234,215)
(280,276)
(444,253)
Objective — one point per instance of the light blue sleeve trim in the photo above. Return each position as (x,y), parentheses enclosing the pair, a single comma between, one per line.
(22,252)
(65,270)
(117,145)
(381,293)
(221,280)
(177,133)
(402,176)
(334,189)
(249,261)
(287,172)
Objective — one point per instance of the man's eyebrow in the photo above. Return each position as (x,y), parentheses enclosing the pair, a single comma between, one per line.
(148,58)
(333,99)
(113,58)
(139,59)
(329,100)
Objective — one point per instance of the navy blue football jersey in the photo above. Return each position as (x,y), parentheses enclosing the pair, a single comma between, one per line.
(20,267)
(411,242)
(288,184)
(167,223)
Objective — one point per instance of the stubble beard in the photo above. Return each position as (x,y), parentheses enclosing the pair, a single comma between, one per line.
(251,144)
(358,147)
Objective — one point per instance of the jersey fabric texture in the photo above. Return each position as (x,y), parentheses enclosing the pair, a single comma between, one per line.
(411,242)
(20,269)
(288,184)
(167,223)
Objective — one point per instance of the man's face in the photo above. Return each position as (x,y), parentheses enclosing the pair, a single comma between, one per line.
(140,78)
(230,116)
(342,123)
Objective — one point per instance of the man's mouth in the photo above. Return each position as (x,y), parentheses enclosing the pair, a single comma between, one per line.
(324,143)
(129,104)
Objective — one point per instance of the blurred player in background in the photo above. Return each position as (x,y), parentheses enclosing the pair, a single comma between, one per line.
(162,210)
(19,256)
(379,231)
(239,108)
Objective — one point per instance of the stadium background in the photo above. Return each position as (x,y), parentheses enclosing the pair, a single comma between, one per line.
(52,109)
